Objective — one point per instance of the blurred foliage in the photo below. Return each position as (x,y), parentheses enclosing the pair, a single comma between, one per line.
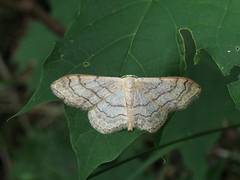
(36,46)
(47,154)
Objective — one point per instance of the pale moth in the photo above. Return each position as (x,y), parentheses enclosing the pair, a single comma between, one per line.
(129,102)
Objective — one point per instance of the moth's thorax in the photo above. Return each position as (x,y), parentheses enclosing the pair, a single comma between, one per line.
(128,82)
(129,76)
(129,89)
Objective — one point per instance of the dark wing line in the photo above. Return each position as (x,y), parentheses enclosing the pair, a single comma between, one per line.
(178,96)
(174,87)
(76,93)
(108,115)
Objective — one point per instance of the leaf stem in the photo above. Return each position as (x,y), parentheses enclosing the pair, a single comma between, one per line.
(165,145)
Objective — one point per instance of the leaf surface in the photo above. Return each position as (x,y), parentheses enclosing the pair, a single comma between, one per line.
(138,37)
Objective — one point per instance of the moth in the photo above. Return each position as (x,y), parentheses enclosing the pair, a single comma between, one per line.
(129,102)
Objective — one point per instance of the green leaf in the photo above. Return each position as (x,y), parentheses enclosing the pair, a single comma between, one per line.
(234,89)
(96,39)
(211,110)
(35,47)
(115,38)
